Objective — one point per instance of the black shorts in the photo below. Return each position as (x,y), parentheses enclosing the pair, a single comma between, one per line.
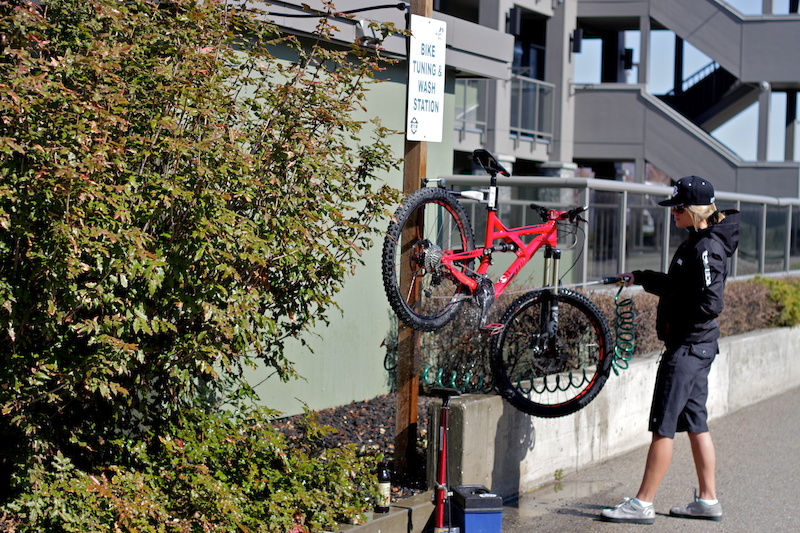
(679,399)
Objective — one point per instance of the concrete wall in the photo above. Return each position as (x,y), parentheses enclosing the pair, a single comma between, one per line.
(494,445)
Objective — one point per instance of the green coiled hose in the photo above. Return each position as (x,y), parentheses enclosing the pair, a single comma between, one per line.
(470,381)
(624,331)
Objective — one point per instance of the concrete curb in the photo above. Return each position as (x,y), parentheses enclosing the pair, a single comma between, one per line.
(493,444)
(410,515)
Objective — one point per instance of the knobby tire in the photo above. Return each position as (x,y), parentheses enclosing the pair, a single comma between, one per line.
(445,227)
(545,378)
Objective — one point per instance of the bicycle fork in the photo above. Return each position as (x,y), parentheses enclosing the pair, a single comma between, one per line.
(552,259)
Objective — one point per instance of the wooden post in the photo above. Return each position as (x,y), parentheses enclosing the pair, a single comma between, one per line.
(408,358)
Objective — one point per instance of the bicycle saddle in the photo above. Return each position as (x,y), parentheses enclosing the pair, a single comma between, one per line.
(489,162)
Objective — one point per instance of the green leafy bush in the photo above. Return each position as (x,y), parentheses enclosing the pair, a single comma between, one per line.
(784,293)
(176,203)
(219,472)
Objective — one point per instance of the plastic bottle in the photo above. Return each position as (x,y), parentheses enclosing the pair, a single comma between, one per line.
(384,488)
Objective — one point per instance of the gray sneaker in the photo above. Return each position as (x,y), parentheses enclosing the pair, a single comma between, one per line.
(629,512)
(699,510)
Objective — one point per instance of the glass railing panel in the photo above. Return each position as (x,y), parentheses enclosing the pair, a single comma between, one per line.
(531,108)
(470,105)
(775,244)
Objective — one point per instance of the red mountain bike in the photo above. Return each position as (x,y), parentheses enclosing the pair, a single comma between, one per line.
(551,352)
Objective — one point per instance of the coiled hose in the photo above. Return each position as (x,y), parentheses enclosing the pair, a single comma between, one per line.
(624,332)
(469,381)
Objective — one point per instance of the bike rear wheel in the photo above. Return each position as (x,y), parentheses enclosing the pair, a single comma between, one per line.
(545,375)
(429,222)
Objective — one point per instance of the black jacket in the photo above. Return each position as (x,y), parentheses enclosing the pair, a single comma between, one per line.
(691,292)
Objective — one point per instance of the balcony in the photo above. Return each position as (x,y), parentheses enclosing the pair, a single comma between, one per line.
(531,109)
(530,116)
(471,107)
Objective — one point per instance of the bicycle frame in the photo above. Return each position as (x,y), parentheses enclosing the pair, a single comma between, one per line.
(511,240)
(438,257)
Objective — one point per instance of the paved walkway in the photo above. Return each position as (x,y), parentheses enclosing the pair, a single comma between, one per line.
(758,477)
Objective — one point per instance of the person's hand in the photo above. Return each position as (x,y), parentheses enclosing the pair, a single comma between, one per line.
(627,279)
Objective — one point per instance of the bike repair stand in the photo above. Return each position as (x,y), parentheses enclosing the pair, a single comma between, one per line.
(442,490)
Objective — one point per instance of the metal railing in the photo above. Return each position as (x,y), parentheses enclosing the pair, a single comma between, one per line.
(627,229)
(692,80)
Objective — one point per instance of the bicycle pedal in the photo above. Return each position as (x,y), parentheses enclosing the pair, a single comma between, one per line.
(491,329)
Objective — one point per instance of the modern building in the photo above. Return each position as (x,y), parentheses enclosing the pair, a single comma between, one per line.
(512,87)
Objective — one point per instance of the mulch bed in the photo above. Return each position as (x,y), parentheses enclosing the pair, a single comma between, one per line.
(370,425)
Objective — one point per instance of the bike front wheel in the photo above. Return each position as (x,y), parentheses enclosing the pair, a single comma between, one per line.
(546,374)
(421,290)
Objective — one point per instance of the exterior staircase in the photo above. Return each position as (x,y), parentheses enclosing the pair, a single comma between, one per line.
(752,48)
(711,97)
(618,122)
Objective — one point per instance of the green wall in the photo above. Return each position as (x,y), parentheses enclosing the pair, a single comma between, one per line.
(347,360)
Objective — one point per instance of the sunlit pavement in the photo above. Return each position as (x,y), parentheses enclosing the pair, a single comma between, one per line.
(758,474)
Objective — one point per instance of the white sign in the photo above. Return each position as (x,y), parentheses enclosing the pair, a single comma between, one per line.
(425,112)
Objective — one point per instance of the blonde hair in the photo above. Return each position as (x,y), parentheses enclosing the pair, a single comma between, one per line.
(707,213)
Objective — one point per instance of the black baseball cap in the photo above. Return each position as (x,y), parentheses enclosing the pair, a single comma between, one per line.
(691,190)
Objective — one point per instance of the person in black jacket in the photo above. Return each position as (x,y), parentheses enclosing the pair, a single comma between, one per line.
(690,300)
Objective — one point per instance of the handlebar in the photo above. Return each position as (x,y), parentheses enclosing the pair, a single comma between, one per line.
(615,279)
(572,215)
